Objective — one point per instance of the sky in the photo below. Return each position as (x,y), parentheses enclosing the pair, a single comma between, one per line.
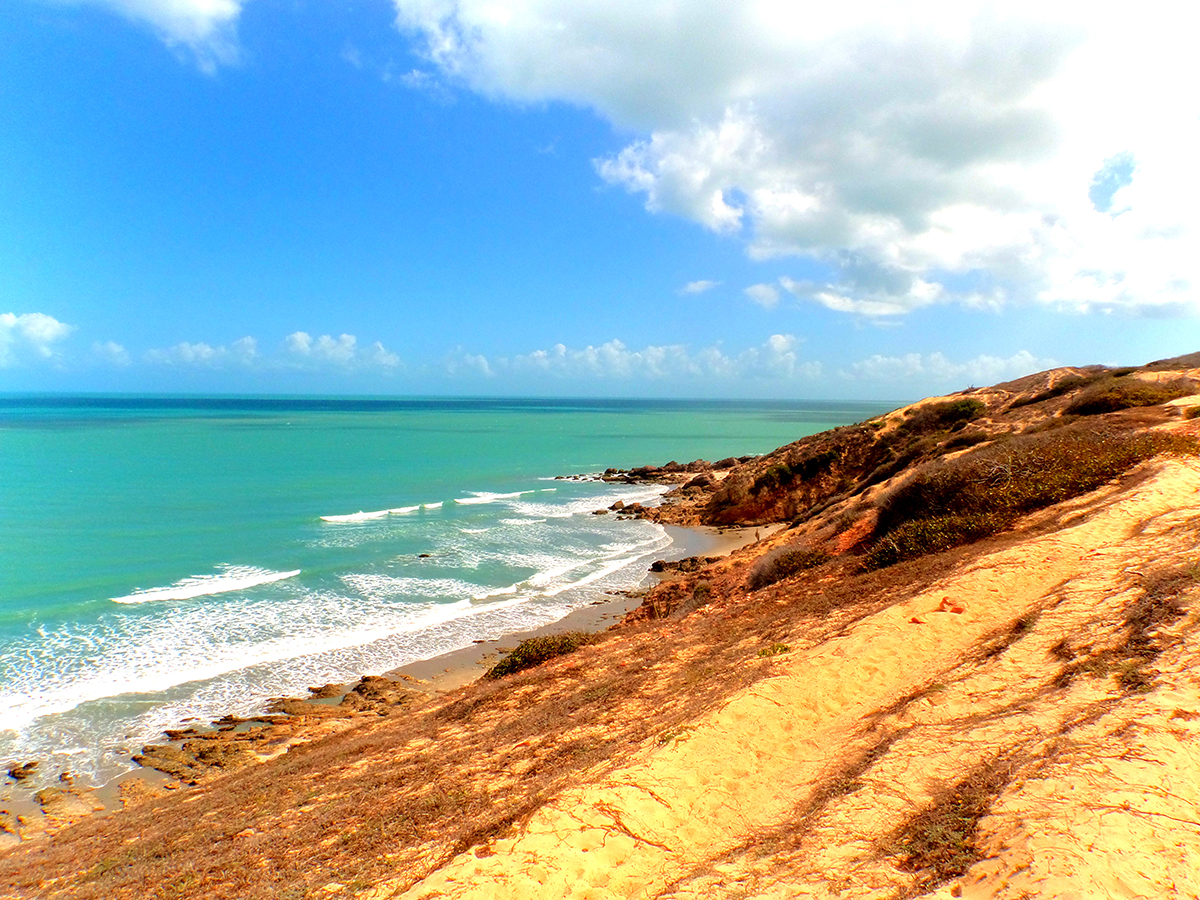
(669,198)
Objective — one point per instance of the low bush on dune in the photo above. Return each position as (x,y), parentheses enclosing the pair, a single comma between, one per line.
(943,416)
(804,470)
(783,563)
(953,502)
(536,650)
(1112,394)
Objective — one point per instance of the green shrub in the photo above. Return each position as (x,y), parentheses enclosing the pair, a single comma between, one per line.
(933,535)
(783,563)
(943,416)
(804,469)
(952,502)
(536,650)
(1112,394)
(1192,412)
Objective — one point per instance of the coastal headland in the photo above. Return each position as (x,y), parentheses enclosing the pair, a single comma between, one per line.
(955,655)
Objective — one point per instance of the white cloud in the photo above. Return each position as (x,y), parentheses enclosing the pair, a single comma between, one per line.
(765,295)
(776,358)
(343,352)
(110,352)
(242,353)
(936,368)
(698,287)
(30,338)
(206,28)
(923,152)
(299,351)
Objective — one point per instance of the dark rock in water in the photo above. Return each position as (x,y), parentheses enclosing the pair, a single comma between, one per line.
(620,504)
(612,471)
(19,772)
(644,471)
(424,555)
(599,512)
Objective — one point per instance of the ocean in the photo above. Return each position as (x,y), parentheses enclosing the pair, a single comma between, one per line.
(166,559)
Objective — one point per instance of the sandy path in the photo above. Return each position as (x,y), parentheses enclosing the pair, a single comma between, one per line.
(749,766)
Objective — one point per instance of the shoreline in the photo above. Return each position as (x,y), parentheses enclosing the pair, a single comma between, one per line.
(447,671)
(433,677)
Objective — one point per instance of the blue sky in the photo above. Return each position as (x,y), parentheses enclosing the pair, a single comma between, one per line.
(641,199)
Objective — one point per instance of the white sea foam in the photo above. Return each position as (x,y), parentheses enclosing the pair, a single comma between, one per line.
(401,510)
(231,578)
(473,530)
(478,497)
(437,505)
(357,517)
(206,655)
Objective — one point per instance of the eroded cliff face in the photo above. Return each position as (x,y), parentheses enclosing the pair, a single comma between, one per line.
(1003,701)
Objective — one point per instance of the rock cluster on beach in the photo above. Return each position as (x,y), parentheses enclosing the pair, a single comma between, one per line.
(233,742)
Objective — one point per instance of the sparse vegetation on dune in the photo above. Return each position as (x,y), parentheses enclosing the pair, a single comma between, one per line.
(948,503)
(783,563)
(1112,394)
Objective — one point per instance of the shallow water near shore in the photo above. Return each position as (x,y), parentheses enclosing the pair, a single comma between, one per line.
(175,558)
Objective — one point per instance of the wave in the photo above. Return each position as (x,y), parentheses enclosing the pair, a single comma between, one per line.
(437,505)
(402,510)
(488,497)
(359,516)
(232,578)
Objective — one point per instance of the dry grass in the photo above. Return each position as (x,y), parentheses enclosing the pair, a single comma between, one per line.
(1111,394)
(784,562)
(948,503)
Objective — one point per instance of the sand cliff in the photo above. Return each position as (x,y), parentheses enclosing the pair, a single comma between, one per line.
(1009,709)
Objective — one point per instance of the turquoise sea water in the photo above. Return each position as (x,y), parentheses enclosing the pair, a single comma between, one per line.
(166,558)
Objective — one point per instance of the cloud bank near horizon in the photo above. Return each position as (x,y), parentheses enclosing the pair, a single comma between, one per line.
(934,152)
(34,340)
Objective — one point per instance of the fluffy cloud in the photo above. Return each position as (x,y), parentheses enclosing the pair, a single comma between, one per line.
(776,358)
(30,338)
(765,295)
(343,352)
(917,153)
(242,353)
(300,351)
(698,287)
(935,368)
(206,28)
